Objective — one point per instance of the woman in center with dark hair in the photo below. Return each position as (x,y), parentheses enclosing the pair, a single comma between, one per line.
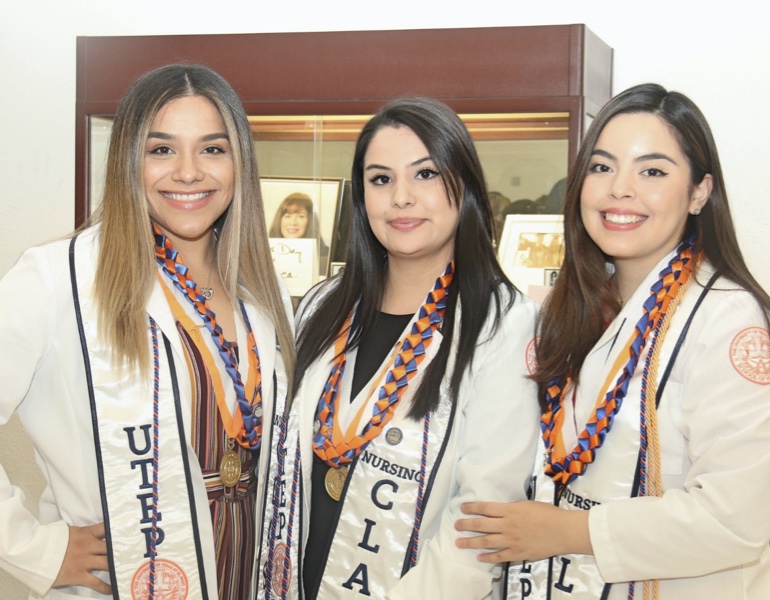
(412,366)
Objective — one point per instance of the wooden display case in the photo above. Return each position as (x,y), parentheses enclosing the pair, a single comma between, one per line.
(562,70)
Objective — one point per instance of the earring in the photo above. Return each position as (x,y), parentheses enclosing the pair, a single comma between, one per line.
(696,212)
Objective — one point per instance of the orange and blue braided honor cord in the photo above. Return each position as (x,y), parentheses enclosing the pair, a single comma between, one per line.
(565,469)
(405,367)
(172,266)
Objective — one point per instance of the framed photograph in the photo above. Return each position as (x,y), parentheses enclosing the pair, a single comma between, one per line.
(341,229)
(296,260)
(531,252)
(335,268)
(303,208)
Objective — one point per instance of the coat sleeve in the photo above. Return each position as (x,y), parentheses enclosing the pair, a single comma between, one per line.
(30,551)
(718,517)
(498,432)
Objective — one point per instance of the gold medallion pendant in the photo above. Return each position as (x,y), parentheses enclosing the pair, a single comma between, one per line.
(230,466)
(335,482)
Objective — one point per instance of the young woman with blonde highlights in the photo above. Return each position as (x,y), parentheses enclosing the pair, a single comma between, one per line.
(154,365)
(653,369)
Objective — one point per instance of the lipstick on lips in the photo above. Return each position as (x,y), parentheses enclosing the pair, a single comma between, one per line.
(619,220)
(190,200)
(405,224)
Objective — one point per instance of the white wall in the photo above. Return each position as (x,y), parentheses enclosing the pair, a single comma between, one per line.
(717,53)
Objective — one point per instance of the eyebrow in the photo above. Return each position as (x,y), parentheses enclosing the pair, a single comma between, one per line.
(638,159)
(384,168)
(159,135)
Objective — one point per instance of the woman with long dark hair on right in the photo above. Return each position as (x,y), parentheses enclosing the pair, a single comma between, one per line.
(653,368)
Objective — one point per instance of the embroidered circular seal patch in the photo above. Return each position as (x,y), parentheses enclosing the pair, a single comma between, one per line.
(170,582)
(279,570)
(750,354)
(530,356)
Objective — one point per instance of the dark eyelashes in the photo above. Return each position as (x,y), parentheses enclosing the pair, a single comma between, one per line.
(379,179)
(211,150)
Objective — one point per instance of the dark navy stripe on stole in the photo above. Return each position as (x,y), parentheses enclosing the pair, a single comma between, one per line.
(669,366)
(300,543)
(94,419)
(335,521)
(429,487)
(506,573)
(549,582)
(186,462)
(263,469)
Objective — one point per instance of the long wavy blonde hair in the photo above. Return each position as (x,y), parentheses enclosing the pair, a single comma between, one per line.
(126,262)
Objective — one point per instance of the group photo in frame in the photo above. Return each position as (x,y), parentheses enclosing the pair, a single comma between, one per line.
(301,216)
(531,252)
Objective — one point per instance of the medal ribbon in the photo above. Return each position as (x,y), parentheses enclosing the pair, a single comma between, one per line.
(172,266)
(565,467)
(155,454)
(285,575)
(649,448)
(329,444)
(233,423)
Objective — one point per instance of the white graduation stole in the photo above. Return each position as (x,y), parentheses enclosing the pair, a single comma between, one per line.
(563,577)
(367,556)
(610,476)
(122,412)
(281,527)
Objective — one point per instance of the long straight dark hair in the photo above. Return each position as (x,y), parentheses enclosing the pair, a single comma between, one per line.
(573,318)
(478,277)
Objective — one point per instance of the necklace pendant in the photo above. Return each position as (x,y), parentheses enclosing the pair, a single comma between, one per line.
(230,466)
(335,482)
(207,292)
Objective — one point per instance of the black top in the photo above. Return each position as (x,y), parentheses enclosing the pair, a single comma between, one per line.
(375,345)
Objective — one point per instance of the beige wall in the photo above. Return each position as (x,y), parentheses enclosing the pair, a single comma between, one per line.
(718,53)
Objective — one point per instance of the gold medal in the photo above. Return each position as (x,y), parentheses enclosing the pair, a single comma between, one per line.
(335,482)
(230,466)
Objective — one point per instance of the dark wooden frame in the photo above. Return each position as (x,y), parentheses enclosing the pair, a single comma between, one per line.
(502,69)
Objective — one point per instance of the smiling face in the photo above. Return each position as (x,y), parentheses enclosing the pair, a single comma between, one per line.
(637,193)
(406,202)
(294,222)
(189,175)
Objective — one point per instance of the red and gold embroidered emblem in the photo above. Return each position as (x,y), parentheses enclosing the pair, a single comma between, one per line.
(170,582)
(750,354)
(530,356)
(280,569)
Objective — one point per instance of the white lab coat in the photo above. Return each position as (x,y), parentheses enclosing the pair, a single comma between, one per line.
(707,536)
(44,381)
(488,457)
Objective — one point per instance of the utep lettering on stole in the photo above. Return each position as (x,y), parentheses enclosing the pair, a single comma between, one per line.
(360,576)
(145,468)
(281,484)
(560,584)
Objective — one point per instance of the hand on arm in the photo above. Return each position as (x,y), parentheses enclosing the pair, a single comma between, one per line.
(524,530)
(86,552)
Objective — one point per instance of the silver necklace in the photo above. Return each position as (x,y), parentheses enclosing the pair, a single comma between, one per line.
(208,292)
